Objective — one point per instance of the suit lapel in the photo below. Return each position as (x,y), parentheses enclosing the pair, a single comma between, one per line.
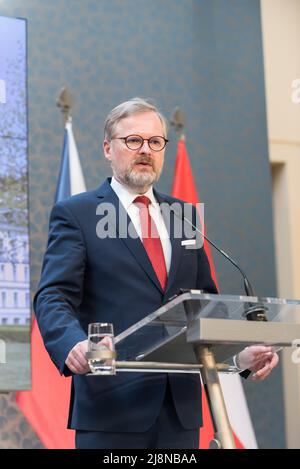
(107,195)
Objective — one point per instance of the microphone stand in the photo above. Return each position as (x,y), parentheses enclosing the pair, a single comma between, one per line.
(253,312)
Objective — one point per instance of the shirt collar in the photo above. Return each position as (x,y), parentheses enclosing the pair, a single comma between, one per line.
(127,196)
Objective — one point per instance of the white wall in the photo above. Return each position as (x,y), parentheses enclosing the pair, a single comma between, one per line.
(281,42)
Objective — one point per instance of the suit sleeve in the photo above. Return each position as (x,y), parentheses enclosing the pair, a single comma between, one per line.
(61,287)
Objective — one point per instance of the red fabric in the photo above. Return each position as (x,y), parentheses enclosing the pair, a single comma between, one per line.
(46,405)
(207,431)
(184,188)
(151,240)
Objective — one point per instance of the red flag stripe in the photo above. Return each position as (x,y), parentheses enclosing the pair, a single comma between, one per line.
(184,188)
(46,405)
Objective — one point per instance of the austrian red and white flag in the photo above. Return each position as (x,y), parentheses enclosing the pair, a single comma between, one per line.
(46,406)
(184,188)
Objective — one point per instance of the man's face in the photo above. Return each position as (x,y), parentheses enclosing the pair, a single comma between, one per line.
(138,169)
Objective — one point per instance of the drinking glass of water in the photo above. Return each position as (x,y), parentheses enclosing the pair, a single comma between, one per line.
(101,348)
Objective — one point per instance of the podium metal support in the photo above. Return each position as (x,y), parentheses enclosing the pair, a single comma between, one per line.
(223,437)
(165,367)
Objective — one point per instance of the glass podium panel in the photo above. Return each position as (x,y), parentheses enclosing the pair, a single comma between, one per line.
(168,333)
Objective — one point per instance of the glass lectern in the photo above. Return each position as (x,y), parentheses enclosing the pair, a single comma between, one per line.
(196,332)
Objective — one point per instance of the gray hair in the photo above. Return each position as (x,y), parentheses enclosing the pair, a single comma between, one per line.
(128,108)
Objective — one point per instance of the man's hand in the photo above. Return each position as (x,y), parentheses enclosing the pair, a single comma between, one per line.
(76,361)
(260,359)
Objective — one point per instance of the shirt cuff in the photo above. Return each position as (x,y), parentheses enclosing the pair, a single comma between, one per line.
(234,358)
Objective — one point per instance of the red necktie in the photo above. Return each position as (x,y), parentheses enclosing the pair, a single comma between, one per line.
(151,240)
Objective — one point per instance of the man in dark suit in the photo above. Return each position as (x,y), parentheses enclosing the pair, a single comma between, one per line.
(88,277)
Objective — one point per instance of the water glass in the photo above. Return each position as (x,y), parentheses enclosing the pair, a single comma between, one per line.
(101,348)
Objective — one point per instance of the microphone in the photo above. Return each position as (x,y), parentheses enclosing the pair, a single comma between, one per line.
(254,312)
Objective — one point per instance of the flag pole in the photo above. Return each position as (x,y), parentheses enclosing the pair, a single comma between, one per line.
(73,181)
(223,436)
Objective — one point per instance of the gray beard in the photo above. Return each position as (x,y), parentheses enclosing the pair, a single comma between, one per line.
(139,180)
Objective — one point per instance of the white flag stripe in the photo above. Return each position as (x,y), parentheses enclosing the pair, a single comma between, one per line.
(237,409)
(77,184)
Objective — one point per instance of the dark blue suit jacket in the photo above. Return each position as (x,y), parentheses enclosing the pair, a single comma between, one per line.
(87,279)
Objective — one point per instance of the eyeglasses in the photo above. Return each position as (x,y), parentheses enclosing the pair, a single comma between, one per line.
(134,142)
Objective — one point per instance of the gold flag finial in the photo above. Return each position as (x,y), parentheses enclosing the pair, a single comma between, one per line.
(178,122)
(65,103)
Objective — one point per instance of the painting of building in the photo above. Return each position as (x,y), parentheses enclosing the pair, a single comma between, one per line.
(14,275)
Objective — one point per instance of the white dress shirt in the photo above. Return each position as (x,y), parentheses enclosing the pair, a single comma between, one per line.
(127,197)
